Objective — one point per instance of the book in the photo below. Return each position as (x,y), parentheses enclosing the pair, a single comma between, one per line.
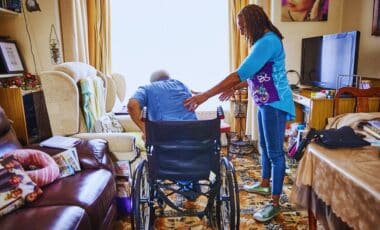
(60,142)
(373,131)
(68,162)
(374,123)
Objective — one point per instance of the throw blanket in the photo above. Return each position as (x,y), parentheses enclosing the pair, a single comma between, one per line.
(92,100)
(352,120)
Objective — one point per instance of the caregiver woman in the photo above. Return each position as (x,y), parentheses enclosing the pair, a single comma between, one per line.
(263,70)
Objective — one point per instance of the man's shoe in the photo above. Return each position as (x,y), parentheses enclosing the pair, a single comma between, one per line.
(266,213)
(256,188)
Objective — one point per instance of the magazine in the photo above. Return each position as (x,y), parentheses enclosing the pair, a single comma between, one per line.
(60,142)
(68,162)
(122,168)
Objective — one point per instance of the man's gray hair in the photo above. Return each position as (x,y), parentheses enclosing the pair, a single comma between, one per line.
(159,75)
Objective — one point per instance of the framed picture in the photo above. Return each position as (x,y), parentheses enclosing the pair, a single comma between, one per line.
(10,60)
(304,11)
(376,18)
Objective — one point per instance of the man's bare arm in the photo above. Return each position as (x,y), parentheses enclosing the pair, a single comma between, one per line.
(134,110)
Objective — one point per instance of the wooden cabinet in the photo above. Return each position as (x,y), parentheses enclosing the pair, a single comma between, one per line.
(28,112)
(316,110)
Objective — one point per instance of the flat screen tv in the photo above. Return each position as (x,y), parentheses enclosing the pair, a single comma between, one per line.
(324,58)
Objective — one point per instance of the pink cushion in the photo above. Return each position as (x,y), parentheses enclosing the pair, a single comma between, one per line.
(47,170)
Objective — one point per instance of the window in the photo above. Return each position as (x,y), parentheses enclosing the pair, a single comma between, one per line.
(189,39)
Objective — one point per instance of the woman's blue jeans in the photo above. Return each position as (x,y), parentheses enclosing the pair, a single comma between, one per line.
(271,124)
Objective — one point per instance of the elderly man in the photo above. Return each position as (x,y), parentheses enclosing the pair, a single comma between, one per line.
(164,98)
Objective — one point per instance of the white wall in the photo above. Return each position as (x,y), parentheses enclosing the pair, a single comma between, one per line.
(344,15)
(293,32)
(39,23)
(357,15)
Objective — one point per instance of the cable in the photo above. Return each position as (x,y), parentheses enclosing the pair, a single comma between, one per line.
(298,77)
(30,40)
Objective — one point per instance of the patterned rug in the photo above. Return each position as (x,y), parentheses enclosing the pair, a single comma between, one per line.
(247,169)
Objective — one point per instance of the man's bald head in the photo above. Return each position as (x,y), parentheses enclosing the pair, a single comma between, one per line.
(159,75)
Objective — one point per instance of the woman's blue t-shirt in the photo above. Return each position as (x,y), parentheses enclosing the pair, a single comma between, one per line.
(269,49)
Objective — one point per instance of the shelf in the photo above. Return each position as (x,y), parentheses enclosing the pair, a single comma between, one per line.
(11,74)
(8,12)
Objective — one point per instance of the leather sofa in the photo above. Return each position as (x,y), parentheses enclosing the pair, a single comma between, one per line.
(84,200)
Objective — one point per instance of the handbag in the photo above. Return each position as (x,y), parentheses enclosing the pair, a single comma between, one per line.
(296,152)
(344,137)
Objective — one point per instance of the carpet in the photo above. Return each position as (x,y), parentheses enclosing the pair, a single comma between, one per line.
(247,169)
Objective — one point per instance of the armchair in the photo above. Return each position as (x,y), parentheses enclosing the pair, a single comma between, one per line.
(63,102)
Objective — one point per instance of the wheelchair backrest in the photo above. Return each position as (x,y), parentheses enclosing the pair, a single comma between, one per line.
(183,150)
(174,131)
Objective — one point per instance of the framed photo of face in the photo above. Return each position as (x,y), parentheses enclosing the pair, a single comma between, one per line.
(10,59)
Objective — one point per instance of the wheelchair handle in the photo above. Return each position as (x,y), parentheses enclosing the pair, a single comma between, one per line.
(220,113)
(144,114)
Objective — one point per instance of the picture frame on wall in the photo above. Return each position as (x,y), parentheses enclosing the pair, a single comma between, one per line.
(376,18)
(10,59)
(304,11)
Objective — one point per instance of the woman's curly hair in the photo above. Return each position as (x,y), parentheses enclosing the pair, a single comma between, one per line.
(256,21)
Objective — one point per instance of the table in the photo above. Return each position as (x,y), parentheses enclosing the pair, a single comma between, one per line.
(345,181)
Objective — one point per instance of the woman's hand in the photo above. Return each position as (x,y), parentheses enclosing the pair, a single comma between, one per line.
(226,94)
(192,103)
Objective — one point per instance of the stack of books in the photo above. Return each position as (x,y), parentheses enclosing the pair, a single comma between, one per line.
(373,128)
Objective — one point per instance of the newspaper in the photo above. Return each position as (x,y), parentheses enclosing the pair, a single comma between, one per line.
(123,178)
(68,162)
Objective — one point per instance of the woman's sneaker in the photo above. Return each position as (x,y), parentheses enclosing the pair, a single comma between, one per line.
(256,188)
(266,213)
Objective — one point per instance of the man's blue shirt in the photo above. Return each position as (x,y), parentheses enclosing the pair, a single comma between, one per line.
(164,100)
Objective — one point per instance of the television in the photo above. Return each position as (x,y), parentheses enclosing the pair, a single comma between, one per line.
(324,58)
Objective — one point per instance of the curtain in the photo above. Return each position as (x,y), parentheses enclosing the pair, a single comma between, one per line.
(238,51)
(98,12)
(73,14)
(238,46)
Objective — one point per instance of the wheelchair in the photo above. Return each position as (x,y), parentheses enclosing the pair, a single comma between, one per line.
(185,151)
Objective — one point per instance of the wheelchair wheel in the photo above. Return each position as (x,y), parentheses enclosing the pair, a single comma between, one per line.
(141,199)
(227,202)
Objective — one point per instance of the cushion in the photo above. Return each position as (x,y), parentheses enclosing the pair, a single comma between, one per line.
(43,169)
(108,124)
(16,187)
(120,84)
(76,70)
